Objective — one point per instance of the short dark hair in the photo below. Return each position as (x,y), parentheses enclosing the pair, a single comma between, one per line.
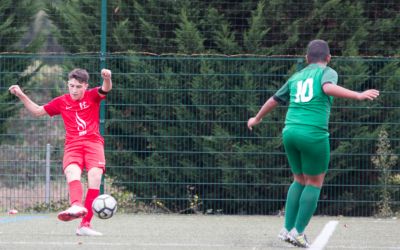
(79,74)
(317,51)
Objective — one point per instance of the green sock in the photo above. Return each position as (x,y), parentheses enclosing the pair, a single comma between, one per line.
(308,204)
(292,204)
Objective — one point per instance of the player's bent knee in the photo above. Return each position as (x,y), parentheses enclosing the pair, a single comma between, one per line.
(316,180)
(299,178)
(94,177)
(73,172)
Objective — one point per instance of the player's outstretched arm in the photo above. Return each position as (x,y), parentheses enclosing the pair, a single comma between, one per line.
(268,106)
(35,109)
(107,83)
(337,91)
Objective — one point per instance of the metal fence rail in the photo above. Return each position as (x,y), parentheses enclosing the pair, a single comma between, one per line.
(176,136)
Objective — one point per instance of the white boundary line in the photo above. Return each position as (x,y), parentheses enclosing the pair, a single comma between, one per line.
(115,244)
(323,237)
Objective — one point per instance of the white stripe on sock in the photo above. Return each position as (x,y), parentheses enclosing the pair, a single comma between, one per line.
(324,236)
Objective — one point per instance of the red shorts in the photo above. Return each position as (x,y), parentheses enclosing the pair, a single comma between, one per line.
(85,153)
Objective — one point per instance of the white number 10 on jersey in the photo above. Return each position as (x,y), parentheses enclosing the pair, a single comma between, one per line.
(304,91)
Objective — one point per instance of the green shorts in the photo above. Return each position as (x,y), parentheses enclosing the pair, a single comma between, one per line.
(307,149)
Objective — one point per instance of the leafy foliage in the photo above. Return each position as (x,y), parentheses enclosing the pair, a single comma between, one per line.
(384,160)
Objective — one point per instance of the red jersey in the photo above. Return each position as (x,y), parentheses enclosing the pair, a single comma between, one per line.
(81,118)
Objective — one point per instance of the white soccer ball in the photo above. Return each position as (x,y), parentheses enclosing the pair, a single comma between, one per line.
(104,206)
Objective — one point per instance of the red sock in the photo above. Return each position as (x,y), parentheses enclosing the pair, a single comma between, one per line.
(75,192)
(90,196)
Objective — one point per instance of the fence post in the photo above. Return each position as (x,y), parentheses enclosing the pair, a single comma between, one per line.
(299,64)
(103,48)
(47,188)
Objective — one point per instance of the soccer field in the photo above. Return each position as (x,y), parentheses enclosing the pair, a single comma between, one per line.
(44,231)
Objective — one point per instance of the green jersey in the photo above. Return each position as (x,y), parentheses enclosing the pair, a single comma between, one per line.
(308,104)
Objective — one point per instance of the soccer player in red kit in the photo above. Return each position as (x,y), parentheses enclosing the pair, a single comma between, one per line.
(84,146)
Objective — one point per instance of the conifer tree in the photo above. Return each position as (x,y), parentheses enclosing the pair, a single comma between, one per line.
(255,35)
(188,38)
(15,20)
(190,104)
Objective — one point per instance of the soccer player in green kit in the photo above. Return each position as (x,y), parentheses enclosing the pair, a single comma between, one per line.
(305,136)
